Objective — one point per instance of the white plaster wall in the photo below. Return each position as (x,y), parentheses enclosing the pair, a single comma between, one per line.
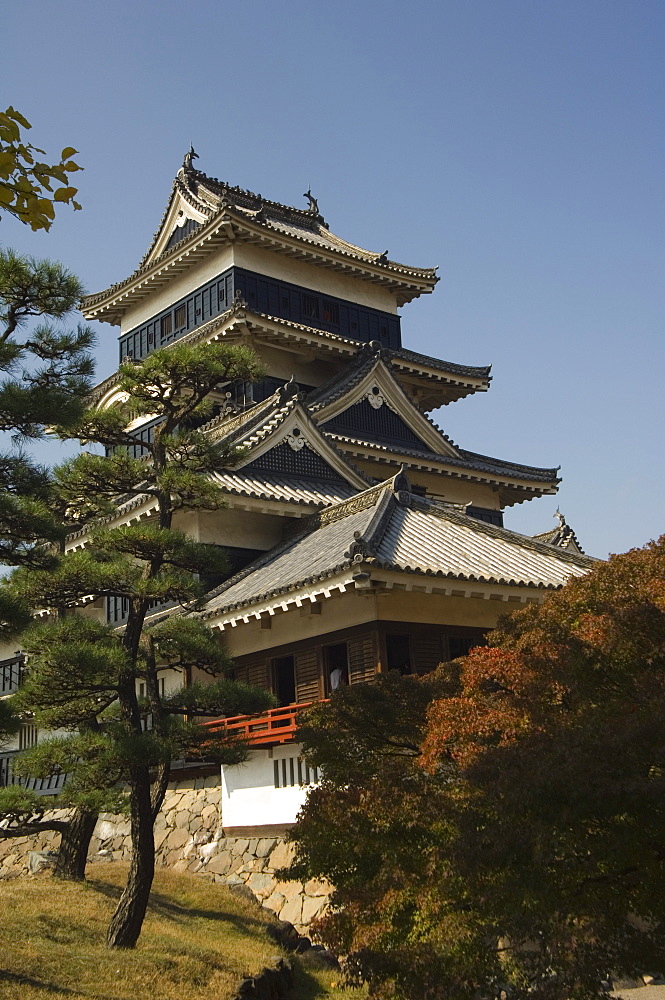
(249,797)
(176,288)
(266,262)
(327,281)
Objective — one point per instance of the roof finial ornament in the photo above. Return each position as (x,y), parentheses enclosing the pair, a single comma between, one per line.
(190,156)
(313,203)
(562,520)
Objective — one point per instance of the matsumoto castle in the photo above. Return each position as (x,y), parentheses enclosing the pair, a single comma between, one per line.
(362,539)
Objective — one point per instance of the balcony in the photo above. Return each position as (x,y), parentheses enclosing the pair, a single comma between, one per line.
(270,728)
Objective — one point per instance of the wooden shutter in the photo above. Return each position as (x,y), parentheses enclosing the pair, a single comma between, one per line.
(257,673)
(362,659)
(307,676)
(427,652)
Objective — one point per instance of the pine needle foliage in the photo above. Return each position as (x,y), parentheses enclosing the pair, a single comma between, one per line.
(83,675)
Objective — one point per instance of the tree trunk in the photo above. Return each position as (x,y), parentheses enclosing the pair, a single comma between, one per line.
(74,844)
(126,922)
(159,787)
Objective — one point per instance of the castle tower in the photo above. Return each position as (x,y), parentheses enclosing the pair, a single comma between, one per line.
(362,538)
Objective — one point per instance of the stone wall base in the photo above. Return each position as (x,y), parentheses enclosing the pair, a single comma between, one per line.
(189,836)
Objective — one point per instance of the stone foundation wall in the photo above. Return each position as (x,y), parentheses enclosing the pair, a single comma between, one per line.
(189,836)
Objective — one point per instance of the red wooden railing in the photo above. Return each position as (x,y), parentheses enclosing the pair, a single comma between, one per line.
(276,725)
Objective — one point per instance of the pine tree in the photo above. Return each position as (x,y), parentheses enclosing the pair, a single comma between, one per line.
(83,674)
(45,378)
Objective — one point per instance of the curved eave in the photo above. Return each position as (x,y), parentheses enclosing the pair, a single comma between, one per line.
(513,489)
(227,227)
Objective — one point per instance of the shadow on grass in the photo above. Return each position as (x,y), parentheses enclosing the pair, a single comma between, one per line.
(305,985)
(178,913)
(57,990)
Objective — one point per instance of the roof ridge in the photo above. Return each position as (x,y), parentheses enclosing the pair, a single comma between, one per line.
(319,519)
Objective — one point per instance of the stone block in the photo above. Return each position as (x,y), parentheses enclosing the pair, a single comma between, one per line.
(289,890)
(105,830)
(195,824)
(181,866)
(261,885)
(187,800)
(182,820)
(189,849)
(239,846)
(220,864)
(312,907)
(177,838)
(274,902)
(292,910)
(251,847)
(160,837)
(264,847)
(209,816)
(207,850)
(282,855)
(318,887)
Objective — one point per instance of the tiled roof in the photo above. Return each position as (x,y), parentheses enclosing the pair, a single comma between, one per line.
(288,489)
(562,536)
(413,357)
(215,199)
(469,460)
(389,528)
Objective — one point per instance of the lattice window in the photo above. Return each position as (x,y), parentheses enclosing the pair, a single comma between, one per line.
(288,772)
(27,736)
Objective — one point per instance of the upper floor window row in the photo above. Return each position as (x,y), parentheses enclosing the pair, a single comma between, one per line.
(266,295)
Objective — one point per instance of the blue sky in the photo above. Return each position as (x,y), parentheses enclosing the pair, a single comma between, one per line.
(517,144)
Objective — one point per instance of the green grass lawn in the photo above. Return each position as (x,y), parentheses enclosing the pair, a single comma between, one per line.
(199,939)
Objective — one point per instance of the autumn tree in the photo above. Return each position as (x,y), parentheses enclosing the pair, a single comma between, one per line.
(83,674)
(30,188)
(521,848)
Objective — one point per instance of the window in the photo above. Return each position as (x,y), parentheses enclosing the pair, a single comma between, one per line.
(398,650)
(27,736)
(310,307)
(330,312)
(291,771)
(284,679)
(166,325)
(336,660)
(181,317)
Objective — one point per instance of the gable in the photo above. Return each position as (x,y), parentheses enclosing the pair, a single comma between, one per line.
(375,421)
(302,462)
